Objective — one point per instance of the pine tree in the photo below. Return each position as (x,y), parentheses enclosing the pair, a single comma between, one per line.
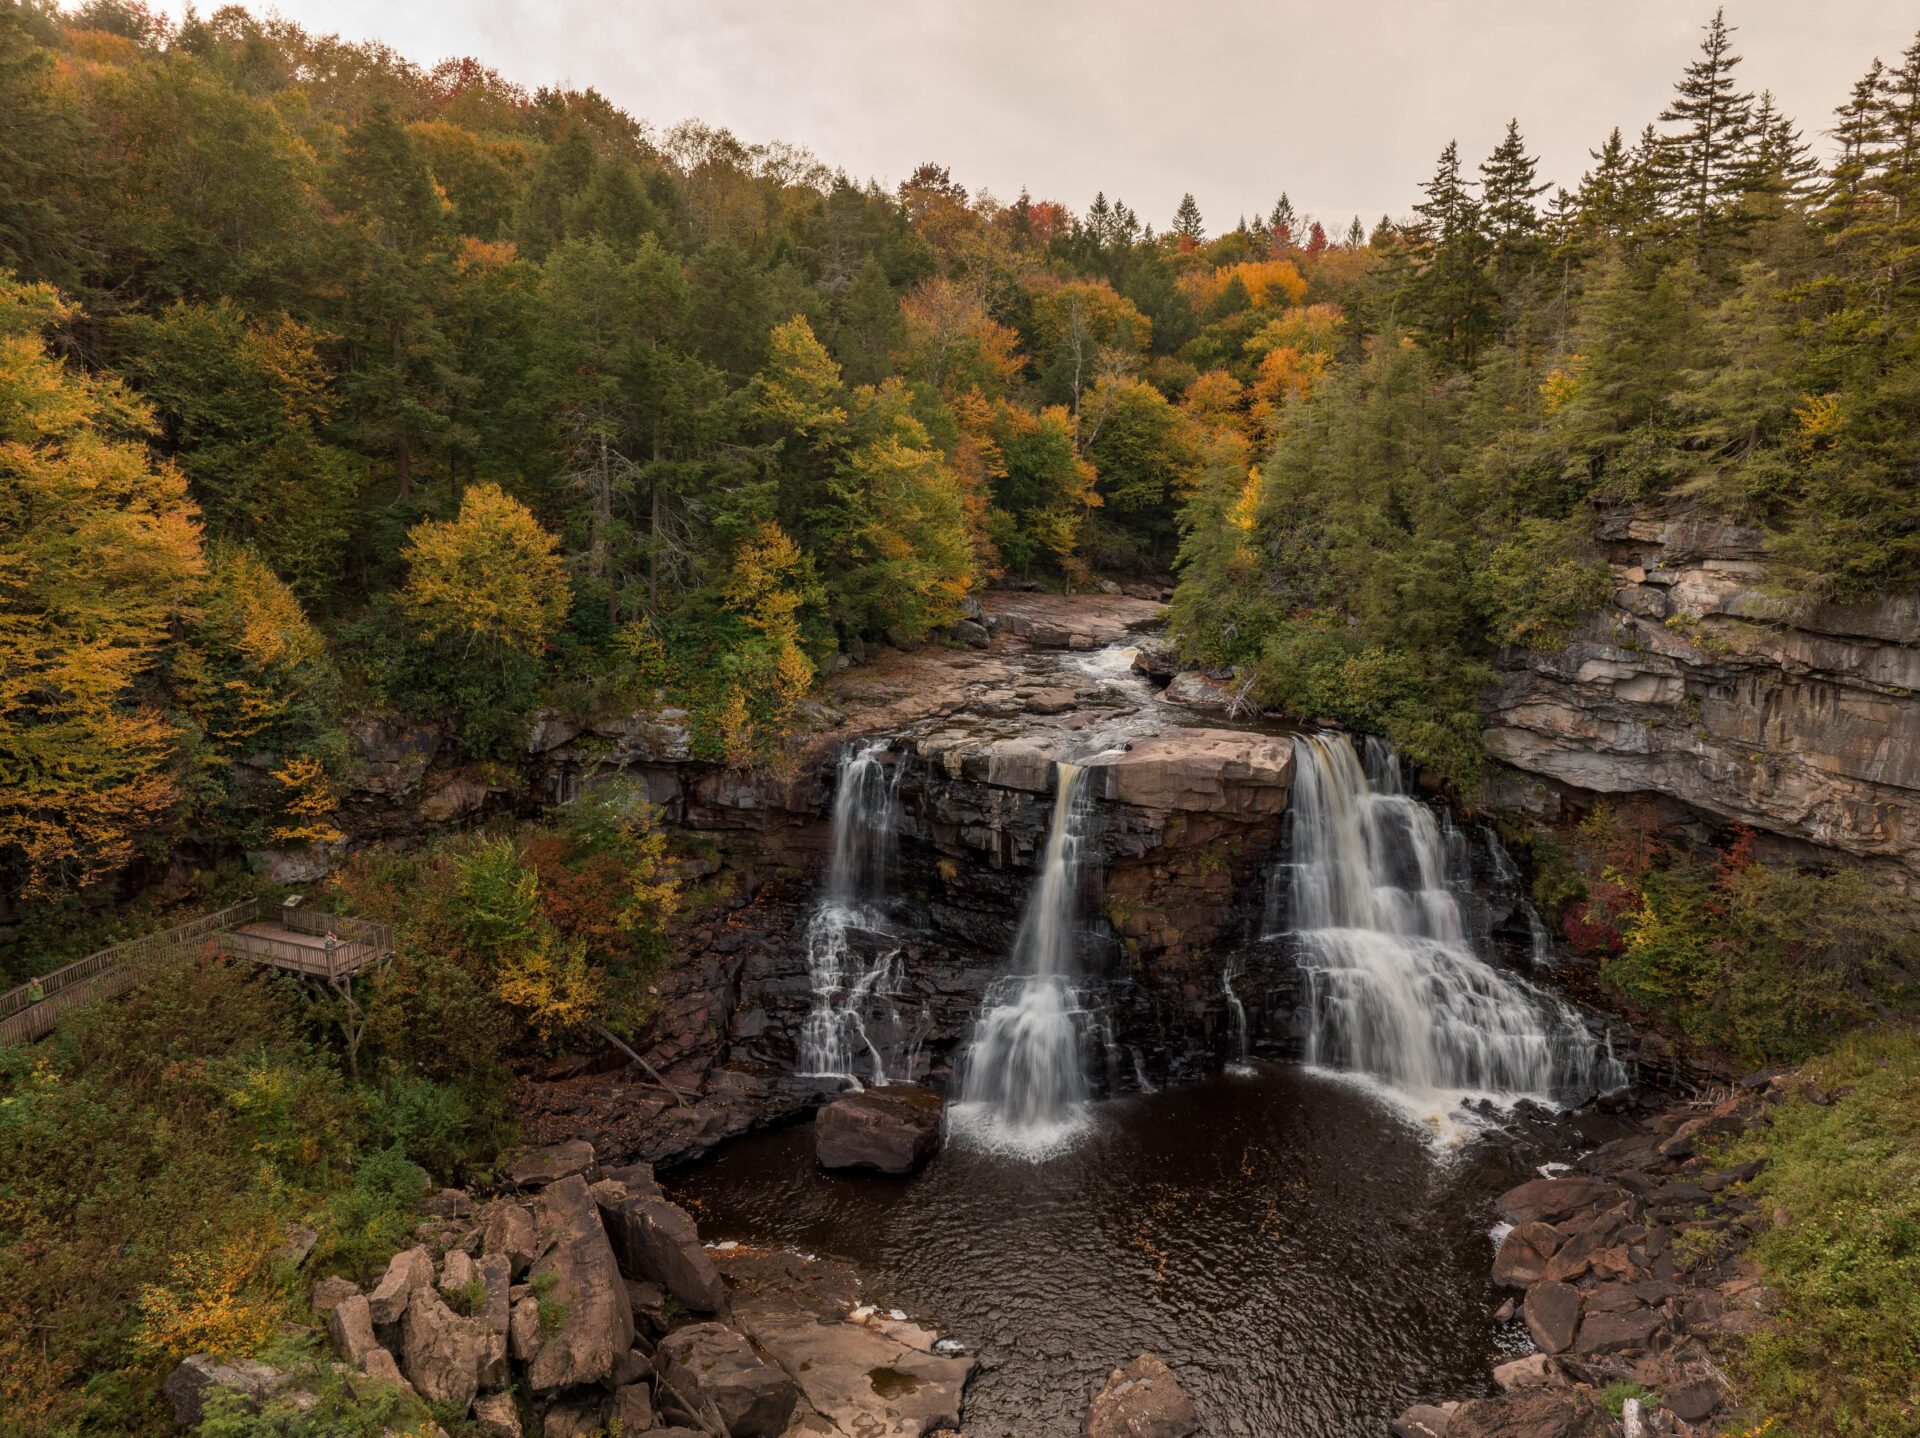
(1602,197)
(1779,161)
(1281,222)
(1186,220)
(1451,293)
(1507,194)
(1703,161)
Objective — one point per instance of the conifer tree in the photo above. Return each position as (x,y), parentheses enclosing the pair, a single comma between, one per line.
(1704,173)
(1186,220)
(1451,293)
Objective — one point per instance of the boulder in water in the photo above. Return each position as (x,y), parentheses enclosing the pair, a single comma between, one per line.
(1141,1400)
(1425,1420)
(1522,1258)
(893,1129)
(1549,1200)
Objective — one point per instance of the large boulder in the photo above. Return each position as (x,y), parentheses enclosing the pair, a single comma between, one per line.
(579,1282)
(508,1229)
(653,1238)
(1141,1400)
(1425,1420)
(350,1325)
(442,1353)
(188,1385)
(496,1416)
(1535,1413)
(894,1129)
(710,1363)
(1549,1200)
(1552,1312)
(406,1273)
(1522,1258)
(1219,771)
(538,1167)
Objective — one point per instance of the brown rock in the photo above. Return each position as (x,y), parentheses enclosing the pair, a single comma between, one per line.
(508,1229)
(1141,1400)
(1552,1313)
(188,1385)
(1692,1401)
(655,1239)
(632,1409)
(524,1333)
(329,1293)
(710,1363)
(583,1284)
(583,1416)
(1623,1332)
(407,1272)
(496,1417)
(1522,1258)
(1536,1370)
(894,1129)
(1549,1200)
(350,1325)
(538,1167)
(1531,1413)
(442,1353)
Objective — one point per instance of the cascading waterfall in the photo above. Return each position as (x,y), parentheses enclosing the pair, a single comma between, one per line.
(1025,1087)
(1396,993)
(853,1029)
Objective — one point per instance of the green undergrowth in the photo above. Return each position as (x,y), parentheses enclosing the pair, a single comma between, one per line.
(1843,1182)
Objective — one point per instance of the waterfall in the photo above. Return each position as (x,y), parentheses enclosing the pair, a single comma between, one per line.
(1025,1087)
(852,961)
(1395,991)
(1237,1013)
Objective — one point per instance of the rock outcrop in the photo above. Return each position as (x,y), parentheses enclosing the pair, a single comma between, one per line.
(894,1129)
(1141,1400)
(582,1281)
(708,1363)
(1698,684)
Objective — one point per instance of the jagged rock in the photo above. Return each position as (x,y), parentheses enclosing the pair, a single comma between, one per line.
(710,1363)
(406,1272)
(453,796)
(393,756)
(1522,1258)
(457,1273)
(300,1242)
(585,1284)
(495,1416)
(350,1325)
(632,1408)
(662,737)
(894,1129)
(496,1275)
(187,1386)
(584,1416)
(1536,1370)
(1534,1413)
(538,1167)
(449,1203)
(1552,1314)
(970,633)
(383,1367)
(525,1335)
(655,1239)
(1424,1420)
(440,1352)
(330,1292)
(1693,1401)
(1627,1332)
(649,1304)
(1141,1400)
(549,729)
(1156,659)
(508,1229)
(1548,1200)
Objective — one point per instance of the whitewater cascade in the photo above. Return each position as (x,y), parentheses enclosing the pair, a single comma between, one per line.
(854,1029)
(1395,991)
(1025,1088)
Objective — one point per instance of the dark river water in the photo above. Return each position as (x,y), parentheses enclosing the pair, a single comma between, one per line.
(1306,1262)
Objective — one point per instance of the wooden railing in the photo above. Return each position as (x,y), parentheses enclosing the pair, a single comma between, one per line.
(30,1011)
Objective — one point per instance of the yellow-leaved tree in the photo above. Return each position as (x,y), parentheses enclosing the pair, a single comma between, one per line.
(99,558)
(492,574)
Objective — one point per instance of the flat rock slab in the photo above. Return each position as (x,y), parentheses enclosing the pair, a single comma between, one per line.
(893,1129)
(1219,771)
(1141,1400)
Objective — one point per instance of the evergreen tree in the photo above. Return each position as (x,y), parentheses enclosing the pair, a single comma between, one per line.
(1186,221)
(1704,170)
(1451,294)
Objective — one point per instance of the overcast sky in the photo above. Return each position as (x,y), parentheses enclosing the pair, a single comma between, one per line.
(1344,105)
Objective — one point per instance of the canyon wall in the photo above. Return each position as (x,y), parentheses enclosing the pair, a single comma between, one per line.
(1698,685)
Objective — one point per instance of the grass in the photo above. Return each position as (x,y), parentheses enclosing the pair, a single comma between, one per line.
(1843,1179)
(1615,1395)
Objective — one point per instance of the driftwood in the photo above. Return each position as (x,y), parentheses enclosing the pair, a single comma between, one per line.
(647,1068)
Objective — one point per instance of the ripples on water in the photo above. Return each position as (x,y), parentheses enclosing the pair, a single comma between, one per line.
(1303,1259)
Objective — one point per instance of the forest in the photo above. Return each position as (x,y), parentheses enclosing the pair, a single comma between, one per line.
(332,384)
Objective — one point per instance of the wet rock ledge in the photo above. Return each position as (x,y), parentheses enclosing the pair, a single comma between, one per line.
(1631,1270)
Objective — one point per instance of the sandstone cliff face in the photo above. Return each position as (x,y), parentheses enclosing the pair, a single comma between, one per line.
(1698,685)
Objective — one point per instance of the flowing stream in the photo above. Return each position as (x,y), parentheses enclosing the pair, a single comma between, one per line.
(855,1028)
(1025,1088)
(1397,995)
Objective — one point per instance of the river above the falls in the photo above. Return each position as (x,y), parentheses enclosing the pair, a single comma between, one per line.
(1305,1260)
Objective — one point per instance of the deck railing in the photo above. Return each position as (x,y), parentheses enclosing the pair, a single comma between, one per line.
(30,1011)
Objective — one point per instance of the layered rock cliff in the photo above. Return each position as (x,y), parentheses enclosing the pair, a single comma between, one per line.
(1699,684)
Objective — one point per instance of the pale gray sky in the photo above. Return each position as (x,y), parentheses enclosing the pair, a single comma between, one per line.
(1344,105)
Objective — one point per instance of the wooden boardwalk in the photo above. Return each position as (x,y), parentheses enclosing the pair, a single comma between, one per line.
(292,939)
